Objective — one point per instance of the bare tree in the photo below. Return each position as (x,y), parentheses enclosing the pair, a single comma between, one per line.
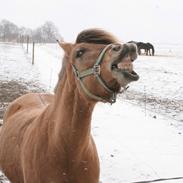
(47,33)
(50,31)
(24,32)
(9,31)
(1,32)
(37,35)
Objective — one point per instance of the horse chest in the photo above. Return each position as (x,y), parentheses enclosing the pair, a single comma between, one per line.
(82,173)
(85,170)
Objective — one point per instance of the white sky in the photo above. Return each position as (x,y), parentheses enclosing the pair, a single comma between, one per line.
(140,20)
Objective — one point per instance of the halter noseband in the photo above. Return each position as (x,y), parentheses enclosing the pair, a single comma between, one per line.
(95,70)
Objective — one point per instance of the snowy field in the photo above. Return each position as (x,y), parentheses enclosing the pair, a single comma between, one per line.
(139,137)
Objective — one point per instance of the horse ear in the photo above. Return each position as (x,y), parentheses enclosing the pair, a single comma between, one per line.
(67,47)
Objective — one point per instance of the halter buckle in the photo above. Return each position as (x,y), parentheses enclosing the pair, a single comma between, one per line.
(96,70)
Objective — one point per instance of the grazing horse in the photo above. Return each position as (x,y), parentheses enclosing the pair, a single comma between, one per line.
(151,50)
(147,47)
(47,138)
(142,46)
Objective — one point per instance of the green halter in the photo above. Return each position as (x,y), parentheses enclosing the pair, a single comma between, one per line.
(95,70)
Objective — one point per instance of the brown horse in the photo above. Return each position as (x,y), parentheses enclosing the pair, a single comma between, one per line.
(46,138)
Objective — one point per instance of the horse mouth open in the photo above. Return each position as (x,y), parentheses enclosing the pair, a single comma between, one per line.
(127,73)
(122,70)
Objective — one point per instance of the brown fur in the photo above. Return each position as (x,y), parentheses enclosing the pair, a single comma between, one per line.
(46,138)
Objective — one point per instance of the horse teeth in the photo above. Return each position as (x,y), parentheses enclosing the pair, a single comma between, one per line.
(120,65)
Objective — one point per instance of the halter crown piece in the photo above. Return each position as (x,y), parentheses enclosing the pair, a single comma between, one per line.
(95,70)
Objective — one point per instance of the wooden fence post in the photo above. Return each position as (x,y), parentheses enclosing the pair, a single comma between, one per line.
(33,45)
(21,40)
(27,44)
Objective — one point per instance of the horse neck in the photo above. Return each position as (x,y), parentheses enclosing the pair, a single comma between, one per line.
(71,116)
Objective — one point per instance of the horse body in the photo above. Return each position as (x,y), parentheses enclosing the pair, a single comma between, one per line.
(19,119)
(147,47)
(47,138)
(37,133)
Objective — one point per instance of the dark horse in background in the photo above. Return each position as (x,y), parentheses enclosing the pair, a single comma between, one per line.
(147,47)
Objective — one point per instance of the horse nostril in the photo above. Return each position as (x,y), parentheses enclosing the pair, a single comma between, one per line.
(116,48)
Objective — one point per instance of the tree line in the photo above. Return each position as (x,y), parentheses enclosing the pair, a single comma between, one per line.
(10,32)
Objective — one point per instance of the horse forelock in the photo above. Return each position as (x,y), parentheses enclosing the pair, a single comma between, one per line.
(96,36)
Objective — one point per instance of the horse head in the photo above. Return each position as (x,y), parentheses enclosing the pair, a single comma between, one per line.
(99,64)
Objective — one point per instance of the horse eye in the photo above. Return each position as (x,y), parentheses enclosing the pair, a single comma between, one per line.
(79,53)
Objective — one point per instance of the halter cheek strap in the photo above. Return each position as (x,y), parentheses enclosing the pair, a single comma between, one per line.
(95,70)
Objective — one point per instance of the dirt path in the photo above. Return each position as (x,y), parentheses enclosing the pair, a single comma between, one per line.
(10,90)
(164,106)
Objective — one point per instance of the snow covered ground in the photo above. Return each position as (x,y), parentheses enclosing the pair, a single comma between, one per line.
(140,136)
(15,64)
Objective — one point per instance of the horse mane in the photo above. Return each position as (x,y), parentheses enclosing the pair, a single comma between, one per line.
(95,36)
(61,73)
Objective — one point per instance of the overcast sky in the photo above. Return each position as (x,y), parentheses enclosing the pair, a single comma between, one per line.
(140,20)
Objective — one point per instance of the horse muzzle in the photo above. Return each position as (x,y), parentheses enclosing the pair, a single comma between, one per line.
(122,64)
